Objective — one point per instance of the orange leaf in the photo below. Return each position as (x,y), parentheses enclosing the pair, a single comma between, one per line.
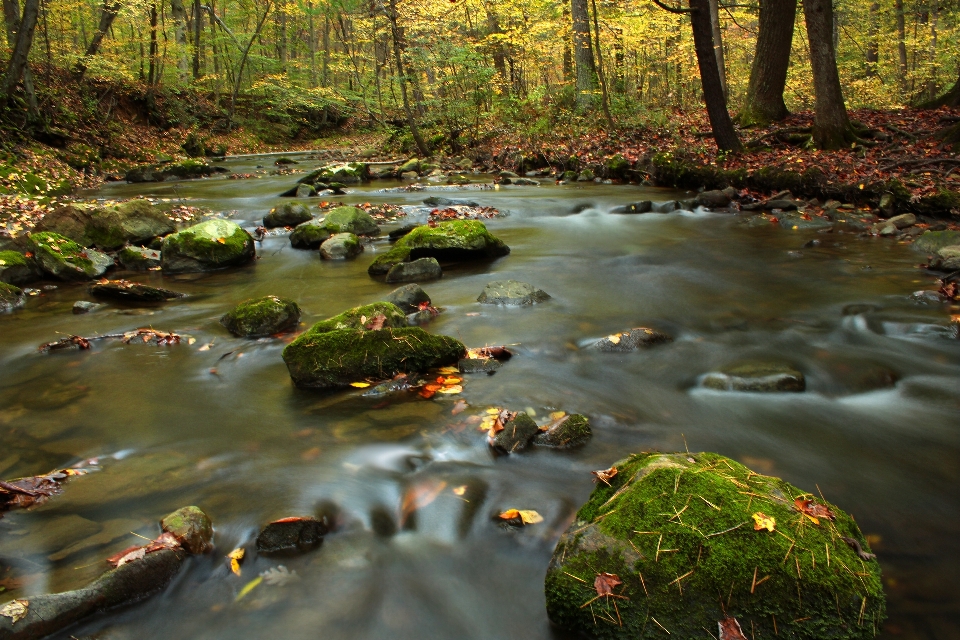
(605,582)
(605,475)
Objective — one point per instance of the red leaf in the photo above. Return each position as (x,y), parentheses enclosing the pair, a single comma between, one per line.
(605,582)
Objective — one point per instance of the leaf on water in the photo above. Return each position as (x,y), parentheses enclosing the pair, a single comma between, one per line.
(420,495)
(247,588)
(279,576)
(236,557)
(452,380)
(459,491)
(605,582)
(813,510)
(763,521)
(206,347)
(605,475)
(360,385)
(459,407)
(451,390)
(730,629)
(16,610)
(520,516)
(191,340)
(448,370)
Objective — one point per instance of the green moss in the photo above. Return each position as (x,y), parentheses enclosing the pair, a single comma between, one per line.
(9,295)
(350,220)
(359,317)
(463,239)
(573,431)
(337,358)
(665,517)
(262,317)
(192,527)
(52,247)
(933,241)
(617,166)
(413,164)
(212,244)
(309,235)
(13,259)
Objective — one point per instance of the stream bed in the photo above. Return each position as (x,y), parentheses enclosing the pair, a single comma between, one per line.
(219,424)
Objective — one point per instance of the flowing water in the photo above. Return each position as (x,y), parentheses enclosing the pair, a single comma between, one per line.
(246,446)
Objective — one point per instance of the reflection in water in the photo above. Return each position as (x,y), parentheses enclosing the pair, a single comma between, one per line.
(412,558)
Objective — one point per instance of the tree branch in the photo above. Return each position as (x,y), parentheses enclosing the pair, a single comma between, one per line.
(671,9)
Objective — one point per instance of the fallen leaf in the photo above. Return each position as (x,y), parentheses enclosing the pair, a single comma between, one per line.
(615,338)
(451,390)
(530,517)
(136,554)
(419,496)
(279,576)
(206,347)
(605,475)
(762,521)
(376,322)
(459,407)
(191,340)
(222,240)
(730,629)
(452,380)
(556,415)
(459,491)
(360,385)
(448,370)
(16,610)
(236,557)
(813,510)
(520,517)
(605,582)
(247,588)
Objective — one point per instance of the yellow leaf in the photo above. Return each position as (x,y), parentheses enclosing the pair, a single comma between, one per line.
(493,411)
(360,385)
(235,557)
(530,517)
(448,371)
(459,491)
(191,340)
(556,415)
(510,514)
(222,240)
(762,521)
(615,338)
(250,586)
(452,381)
(454,389)
(15,610)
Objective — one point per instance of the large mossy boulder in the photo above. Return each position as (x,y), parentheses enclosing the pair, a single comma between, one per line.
(16,268)
(449,241)
(669,532)
(369,342)
(139,258)
(351,220)
(108,228)
(933,241)
(11,297)
(288,214)
(756,376)
(346,172)
(262,317)
(64,259)
(309,235)
(176,170)
(341,246)
(210,245)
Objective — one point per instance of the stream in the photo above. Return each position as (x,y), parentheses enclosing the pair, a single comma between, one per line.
(219,424)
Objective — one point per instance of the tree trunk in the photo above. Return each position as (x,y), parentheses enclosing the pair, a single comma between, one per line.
(11,12)
(499,59)
(901,43)
(873,39)
(831,127)
(197,31)
(932,79)
(567,52)
(718,45)
(107,16)
(179,14)
(583,56)
(950,99)
(21,50)
(243,62)
(723,131)
(152,72)
(398,46)
(768,75)
(600,74)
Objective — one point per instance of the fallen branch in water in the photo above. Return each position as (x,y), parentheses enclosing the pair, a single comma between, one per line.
(144,334)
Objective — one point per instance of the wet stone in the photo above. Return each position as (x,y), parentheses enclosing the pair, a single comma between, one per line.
(84,306)
(192,527)
(511,293)
(408,298)
(262,317)
(289,214)
(478,365)
(417,270)
(11,297)
(139,258)
(631,339)
(291,535)
(516,434)
(756,377)
(566,433)
(341,246)
(644,206)
(124,290)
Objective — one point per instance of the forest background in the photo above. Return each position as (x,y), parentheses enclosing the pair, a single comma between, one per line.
(103,84)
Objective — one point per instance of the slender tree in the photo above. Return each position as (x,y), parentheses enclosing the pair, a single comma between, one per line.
(107,15)
(11,11)
(723,131)
(768,74)
(398,46)
(21,48)
(831,126)
(587,84)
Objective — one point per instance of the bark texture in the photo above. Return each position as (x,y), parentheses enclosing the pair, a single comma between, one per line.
(831,126)
(587,83)
(768,75)
(723,131)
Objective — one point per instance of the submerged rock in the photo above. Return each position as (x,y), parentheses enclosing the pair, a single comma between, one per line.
(262,317)
(124,290)
(341,246)
(756,376)
(511,293)
(717,199)
(478,365)
(516,435)
(569,431)
(420,270)
(288,214)
(628,541)
(291,535)
(409,298)
(631,339)
(452,240)
(210,245)
(11,297)
(64,259)
(138,258)
(16,268)
(337,358)
(644,206)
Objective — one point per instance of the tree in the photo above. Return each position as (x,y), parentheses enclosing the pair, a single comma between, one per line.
(398,46)
(583,57)
(21,48)
(831,126)
(107,15)
(723,131)
(11,11)
(768,73)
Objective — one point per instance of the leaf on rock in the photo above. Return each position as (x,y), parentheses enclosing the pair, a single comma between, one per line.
(763,521)
(530,517)
(376,322)
(730,629)
(16,610)
(604,583)
(615,338)
(451,390)
(605,475)
(813,510)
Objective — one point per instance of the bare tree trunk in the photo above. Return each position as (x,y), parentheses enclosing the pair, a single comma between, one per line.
(873,39)
(11,12)
(326,50)
(312,42)
(152,69)
(768,75)
(600,74)
(243,62)
(932,79)
(197,45)
(179,14)
(21,51)
(398,46)
(723,131)
(107,16)
(499,59)
(583,56)
(831,127)
(567,52)
(718,45)
(901,44)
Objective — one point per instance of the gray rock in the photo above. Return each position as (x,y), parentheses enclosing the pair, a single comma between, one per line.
(946,259)
(288,214)
(83,306)
(210,245)
(417,270)
(903,220)
(66,260)
(408,298)
(507,174)
(631,339)
(124,290)
(756,376)
(664,207)
(516,435)
(888,206)
(525,182)
(585,176)
(191,527)
(644,206)
(717,199)
(566,433)
(341,246)
(409,175)
(305,191)
(138,258)
(931,241)
(783,204)
(793,219)
(511,292)
(11,297)
(478,365)
(435,201)
(291,535)
(16,268)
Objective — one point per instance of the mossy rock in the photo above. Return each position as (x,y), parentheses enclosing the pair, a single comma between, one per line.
(192,527)
(617,166)
(337,358)
(124,290)
(348,172)
(946,259)
(759,376)
(413,164)
(359,317)
(351,220)
(109,228)
(566,433)
(262,317)
(288,214)
(210,245)
(632,339)
(800,581)
(449,241)
(516,435)
(933,241)
(11,297)
(16,268)
(138,258)
(178,170)
(341,246)
(64,259)
(409,298)
(309,235)
(68,221)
